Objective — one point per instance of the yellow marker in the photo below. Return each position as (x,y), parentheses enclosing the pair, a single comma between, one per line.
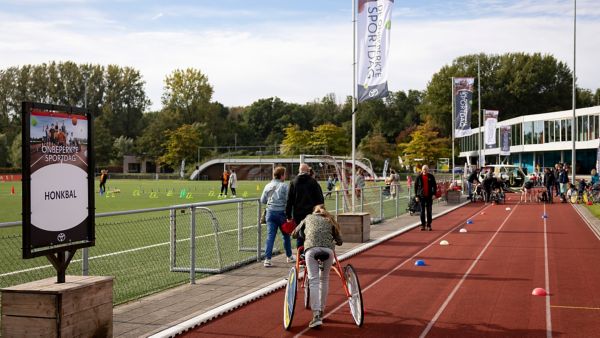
(211,193)
(245,194)
(136,193)
(189,195)
(170,193)
(153,195)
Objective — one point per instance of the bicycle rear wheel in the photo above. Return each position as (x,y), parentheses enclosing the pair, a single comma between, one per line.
(289,302)
(355,299)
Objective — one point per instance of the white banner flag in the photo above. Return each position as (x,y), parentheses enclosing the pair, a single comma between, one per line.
(373,27)
(491,119)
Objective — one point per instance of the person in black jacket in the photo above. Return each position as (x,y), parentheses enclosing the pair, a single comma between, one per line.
(549,183)
(425,190)
(303,195)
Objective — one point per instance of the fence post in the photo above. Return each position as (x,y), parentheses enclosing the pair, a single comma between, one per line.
(85,264)
(336,203)
(173,237)
(362,199)
(240,210)
(259,233)
(381,203)
(396,198)
(193,246)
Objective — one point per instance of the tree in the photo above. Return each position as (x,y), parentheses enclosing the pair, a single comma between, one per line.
(182,143)
(329,139)
(295,141)
(15,151)
(515,84)
(187,95)
(124,102)
(122,146)
(376,148)
(4,150)
(425,144)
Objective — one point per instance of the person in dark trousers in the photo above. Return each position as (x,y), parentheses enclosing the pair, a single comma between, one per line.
(549,183)
(224,183)
(103,179)
(425,189)
(473,179)
(303,195)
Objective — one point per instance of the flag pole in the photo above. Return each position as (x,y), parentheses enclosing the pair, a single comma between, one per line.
(353,103)
(573,129)
(453,126)
(479,135)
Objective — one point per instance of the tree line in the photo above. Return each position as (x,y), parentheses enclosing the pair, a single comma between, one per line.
(412,124)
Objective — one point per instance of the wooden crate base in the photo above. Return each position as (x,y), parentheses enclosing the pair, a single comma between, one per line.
(80,307)
(356,227)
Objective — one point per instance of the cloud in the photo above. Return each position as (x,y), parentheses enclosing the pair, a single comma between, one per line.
(295,61)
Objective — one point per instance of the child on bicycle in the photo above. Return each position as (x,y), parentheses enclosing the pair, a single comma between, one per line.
(319,231)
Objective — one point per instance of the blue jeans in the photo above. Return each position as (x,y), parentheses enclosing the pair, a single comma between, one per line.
(274,221)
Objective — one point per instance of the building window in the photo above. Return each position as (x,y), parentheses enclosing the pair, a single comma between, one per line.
(596,126)
(548,127)
(528,132)
(568,125)
(538,132)
(557,131)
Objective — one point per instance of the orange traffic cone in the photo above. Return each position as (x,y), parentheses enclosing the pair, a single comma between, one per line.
(12,190)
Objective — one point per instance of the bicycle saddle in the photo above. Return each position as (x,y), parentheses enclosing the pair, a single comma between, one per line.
(321,256)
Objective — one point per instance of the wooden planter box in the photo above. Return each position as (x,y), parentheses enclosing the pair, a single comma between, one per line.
(80,307)
(356,227)
(453,197)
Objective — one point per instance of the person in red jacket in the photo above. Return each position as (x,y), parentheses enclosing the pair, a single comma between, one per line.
(425,190)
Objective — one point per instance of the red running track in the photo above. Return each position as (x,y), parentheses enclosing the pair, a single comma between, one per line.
(478,286)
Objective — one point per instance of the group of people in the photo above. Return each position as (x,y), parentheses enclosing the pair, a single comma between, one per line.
(228,179)
(317,230)
(490,188)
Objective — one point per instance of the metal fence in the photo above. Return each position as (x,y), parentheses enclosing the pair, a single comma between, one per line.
(151,250)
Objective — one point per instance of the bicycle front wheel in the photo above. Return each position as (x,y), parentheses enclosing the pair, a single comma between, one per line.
(355,299)
(289,302)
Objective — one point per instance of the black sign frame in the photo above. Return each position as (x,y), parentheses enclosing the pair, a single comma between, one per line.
(58,253)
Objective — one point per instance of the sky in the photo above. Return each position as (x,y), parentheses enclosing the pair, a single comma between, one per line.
(297,50)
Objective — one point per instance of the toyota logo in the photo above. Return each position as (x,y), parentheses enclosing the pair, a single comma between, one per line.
(373,92)
(61,237)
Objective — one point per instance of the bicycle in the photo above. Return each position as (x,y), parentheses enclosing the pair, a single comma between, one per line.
(347,276)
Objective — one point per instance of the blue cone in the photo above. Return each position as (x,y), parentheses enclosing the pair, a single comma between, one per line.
(420,262)
(469,221)
(544,216)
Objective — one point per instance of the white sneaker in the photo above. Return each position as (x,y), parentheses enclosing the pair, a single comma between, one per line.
(291,259)
(267,263)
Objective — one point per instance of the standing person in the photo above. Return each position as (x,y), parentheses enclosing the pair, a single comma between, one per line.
(562,180)
(472,179)
(275,197)
(330,186)
(224,183)
(233,182)
(595,178)
(549,183)
(556,172)
(393,181)
(360,182)
(319,230)
(425,189)
(303,195)
(103,179)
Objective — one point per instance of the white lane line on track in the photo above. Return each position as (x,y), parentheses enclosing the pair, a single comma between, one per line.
(547,276)
(394,269)
(464,277)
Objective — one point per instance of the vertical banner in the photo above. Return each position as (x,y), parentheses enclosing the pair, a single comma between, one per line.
(373,28)
(491,119)
(505,140)
(58,179)
(462,90)
(386,163)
